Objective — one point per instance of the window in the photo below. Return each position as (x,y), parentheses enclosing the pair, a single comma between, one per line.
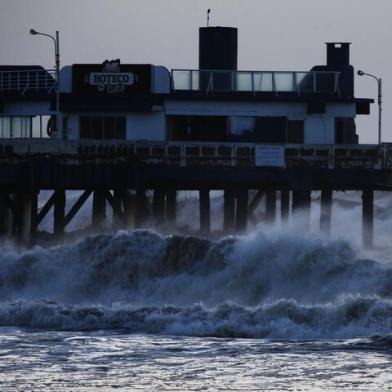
(295,132)
(345,131)
(15,127)
(102,127)
(270,130)
(242,129)
(65,127)
(197,128)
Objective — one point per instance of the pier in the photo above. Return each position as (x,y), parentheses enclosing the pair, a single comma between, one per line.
(140,181)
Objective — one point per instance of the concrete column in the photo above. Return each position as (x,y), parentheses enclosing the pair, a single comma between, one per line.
(301,208)
(140,207)
(270,207)
(99,208)
(171,206)
(205,211)
(129,209)
(34,213)
(284,205)
(25,228)
(228,211)
(158,206)
(367,217)
(59,212)
(242,210)
(4,215)
(118,217)
(326,211)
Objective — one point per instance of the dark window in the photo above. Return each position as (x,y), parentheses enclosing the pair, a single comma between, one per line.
(197,128)
(242,129)
(295,132)
(102,127)
(345,131)
(120,128)
(178,127)
(270,129)
(109,127)
(65,127)
(85,128)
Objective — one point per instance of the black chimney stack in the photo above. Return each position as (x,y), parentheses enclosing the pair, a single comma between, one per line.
(338,59)
(338,53)
(218,48)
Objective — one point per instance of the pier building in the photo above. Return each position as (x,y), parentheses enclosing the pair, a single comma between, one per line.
(125,129)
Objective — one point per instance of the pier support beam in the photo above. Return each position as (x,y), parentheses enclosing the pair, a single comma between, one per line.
(205,211)
(367,217)
(129,209)
(99,208)
(326,211)
(140,207)
(118,216)
(284,205)
(171,206)
(242,210)
(25,229)
(59,212)
(301,208)
(228,211)
(270,207)
(5,215)
(158,207)
(34,214)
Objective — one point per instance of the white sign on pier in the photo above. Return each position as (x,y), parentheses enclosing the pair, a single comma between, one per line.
(268,155)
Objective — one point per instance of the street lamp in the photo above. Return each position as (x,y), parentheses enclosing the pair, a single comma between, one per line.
(57,59)
(379,83)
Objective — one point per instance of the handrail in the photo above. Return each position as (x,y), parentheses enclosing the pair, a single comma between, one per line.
(329,156)
(27,80)
(256,81)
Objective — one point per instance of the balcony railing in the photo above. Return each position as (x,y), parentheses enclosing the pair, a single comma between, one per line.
(20,82)
(256,81)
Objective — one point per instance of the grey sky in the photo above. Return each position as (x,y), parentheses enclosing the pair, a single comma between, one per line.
(273,34)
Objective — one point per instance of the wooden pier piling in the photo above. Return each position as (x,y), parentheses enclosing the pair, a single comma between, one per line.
(326,211)
(284,205)
(228,211)
(367,217)
(270,207)
(241,210)
(205,211)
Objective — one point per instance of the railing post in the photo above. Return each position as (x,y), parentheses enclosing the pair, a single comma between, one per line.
(295,81)
(273,83)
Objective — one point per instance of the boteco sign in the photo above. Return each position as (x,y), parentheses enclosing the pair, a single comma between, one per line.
(111,78)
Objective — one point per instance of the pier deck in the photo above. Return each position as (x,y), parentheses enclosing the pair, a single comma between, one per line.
(120,173)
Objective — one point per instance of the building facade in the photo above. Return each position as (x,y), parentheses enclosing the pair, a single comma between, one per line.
(215,103)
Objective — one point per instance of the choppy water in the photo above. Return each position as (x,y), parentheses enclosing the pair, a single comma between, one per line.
(274,310)
(70,361)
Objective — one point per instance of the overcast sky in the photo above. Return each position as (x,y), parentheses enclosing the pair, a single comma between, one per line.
(273,35)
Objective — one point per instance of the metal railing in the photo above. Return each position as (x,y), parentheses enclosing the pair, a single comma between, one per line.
(256,81)
(328,156)
(25,81)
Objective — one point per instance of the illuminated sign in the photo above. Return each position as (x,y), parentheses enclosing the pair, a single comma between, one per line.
(111,77)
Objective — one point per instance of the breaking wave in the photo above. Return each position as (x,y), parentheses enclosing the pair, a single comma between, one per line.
(276,285)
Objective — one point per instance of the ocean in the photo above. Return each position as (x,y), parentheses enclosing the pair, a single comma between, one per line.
(277,309)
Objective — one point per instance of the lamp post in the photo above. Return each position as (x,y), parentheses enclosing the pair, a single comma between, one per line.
(379,84)
(57,59)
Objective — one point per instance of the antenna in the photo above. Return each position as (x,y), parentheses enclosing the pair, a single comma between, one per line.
(208,17)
